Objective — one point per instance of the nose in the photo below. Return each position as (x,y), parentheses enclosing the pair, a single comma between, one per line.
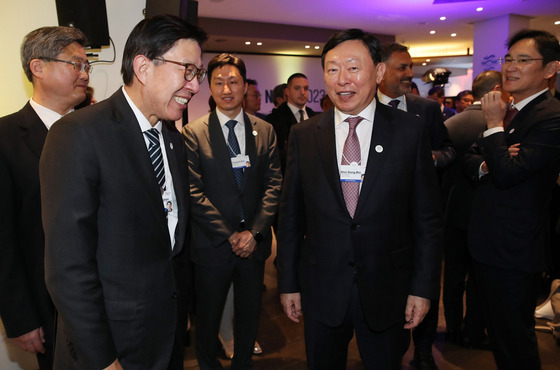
(343,77)
(193,86)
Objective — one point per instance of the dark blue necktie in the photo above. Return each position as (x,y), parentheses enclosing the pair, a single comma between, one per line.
(233,146)
(154,150)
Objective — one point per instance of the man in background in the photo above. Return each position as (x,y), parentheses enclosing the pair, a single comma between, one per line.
(464,99)
(438,94)
(55,62)
(116,258)
(252,99)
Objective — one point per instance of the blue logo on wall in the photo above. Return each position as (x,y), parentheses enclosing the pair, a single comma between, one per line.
(490,62)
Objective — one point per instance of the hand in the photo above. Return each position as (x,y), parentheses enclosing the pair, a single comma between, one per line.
(116,365)
(242,243)
(514,150)
(494,109)
(32,341)
(291,303)
(484,167)
(416,310)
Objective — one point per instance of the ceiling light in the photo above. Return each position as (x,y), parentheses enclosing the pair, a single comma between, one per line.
(423,64)
(453,34)
(557,23)
(317,47)
(247,42)
(432,32)
(442,18)
(479,9)
(259,43)
(307,46)
(427,60)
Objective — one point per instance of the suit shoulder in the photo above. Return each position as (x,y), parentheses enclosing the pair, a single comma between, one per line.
(198,123)
(259,122)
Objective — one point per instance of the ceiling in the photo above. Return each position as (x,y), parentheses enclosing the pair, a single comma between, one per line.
(287,26)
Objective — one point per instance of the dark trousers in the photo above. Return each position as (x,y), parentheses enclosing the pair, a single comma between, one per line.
(327,347)
(212,284)
(457,270)
(509,298)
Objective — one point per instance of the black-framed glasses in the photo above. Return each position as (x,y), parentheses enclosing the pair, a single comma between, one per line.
(190,70)
(78,66)
(523,61)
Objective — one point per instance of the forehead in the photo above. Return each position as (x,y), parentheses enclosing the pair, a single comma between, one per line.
(399,58)
(252,87)
(185,51)
(524,47)
(298,81)
(226,71)
(348,51)
(75,51)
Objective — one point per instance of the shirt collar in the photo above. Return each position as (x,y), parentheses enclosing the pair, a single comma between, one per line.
(295,109)
(145,125)
(367,114)
(224,119)
(48,116)
(526,101)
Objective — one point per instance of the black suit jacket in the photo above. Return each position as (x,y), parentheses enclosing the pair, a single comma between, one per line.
(282,119)
(509,227)
(392,246)
(429,111)
(25,304)
(464,129)
(109,264)
(215,197)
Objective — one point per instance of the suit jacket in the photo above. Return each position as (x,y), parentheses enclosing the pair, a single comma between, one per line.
(282,119)
(109,264)
(392,247)
(25,304)
(429,111)
(448,113)
(509,227)
(216,200)
(464,129)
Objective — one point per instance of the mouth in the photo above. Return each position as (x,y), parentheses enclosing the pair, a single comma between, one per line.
(181,100)
(345,94)
(510,78)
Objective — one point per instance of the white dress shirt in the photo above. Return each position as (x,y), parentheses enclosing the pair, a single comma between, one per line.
(49,117)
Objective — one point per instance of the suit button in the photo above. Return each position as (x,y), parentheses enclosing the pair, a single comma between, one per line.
(351,264)
(355,226)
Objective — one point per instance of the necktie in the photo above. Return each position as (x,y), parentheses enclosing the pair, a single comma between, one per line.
(351,153)
(154,149)
(233,146)
(394,103)
(301,116)
(511,112)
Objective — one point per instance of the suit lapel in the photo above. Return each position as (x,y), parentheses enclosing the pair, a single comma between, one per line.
(250,146)
(34,131)
(219,147)
(522,121)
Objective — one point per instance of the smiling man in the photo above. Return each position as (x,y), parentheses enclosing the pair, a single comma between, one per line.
(54,61)
(360,230)
(235,179)
(508,234)
(115,257)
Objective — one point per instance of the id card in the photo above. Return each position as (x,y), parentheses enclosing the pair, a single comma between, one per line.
(240,161)
(168,205)
(351,172)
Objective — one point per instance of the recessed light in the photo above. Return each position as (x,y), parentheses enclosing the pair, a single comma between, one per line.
(442,18)
(317,47)
(557,23)
(307,46)
(479,9)
(423,64)
(453,34)
(247,42)
(432,32)
(427,60)
(259,43)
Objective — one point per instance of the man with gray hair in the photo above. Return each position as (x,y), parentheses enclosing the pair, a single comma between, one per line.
(54,61)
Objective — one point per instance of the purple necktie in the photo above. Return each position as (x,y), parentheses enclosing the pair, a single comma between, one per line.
(394,103)
(351,153)
(511,112)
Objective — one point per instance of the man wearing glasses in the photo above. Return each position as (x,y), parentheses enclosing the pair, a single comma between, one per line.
(116,258)
(25,306)
(235,179)
(516,164)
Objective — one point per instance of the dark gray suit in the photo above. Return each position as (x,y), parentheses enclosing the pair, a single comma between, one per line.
(216,214)
(25,304)
(116,282)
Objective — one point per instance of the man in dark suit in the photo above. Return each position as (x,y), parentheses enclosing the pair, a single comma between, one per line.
(54,61)
(394,90)
(464,129)
(437,94)
(116,258)
(235,179)
(360,239)
(292,111)
(509,230)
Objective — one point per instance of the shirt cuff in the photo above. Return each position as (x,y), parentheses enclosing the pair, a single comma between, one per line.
(492,131)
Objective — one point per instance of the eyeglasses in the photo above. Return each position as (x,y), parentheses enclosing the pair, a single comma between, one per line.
(190,70)
(78,66)
(518,61)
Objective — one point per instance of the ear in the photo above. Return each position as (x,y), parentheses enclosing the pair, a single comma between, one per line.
(551,69)
(36,66)
(142,66)
(245,89)
(379,72)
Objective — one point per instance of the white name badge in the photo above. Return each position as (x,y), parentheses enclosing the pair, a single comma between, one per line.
(168,205)
(240,161)
(351,172)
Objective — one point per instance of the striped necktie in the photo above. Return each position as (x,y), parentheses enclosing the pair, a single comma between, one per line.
(154,150)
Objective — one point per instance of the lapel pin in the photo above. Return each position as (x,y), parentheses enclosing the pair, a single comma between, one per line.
(254,132)
(511,131)
(378,148)
(171,146)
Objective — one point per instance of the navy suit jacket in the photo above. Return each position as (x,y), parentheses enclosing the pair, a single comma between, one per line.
(110,269)
(392,247)
(510,226)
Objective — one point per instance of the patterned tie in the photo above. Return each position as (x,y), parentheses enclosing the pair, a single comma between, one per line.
(233,146)
(511,112)
(351,153)
(154,150)
(301,116)
(394,103)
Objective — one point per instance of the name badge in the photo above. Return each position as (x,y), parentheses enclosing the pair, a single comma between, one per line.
(240,161)
(168,205)
(351,172)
